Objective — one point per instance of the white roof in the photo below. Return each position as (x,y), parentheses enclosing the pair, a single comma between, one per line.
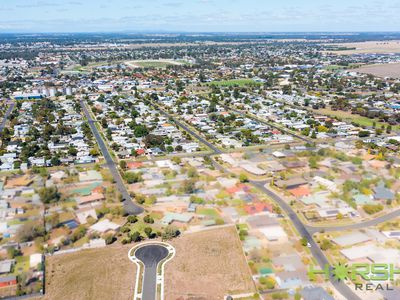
(278,154)
(351,239)
(273,232)
(104,226)
(35,259)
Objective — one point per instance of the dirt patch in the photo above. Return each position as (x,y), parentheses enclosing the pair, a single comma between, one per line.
(208,265)
(381,70)
(104,273)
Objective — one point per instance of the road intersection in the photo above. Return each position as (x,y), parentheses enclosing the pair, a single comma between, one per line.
(305,231)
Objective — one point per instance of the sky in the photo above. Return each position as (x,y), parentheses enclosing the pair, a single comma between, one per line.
(198,15)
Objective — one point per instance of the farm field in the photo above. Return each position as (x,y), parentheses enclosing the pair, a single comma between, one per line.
(369,47)
(381,70)
(215,261)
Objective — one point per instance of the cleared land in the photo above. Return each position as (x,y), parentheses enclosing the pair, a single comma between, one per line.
(368,47)
(104,273)
(381,70)
(211,259)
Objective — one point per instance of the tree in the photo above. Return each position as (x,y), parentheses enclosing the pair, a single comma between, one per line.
(269,282)
(148,219)
(243,178)
(170,232)
(132,219)
(326,244)
(55,160)
(49,195)
(192,173)
(29,231)
(110,238)
(389,129)
(363,133)
(13,252)
(313,135)
(78,233)
(132,177)
(189,186)
(136,237)
(148,231)
(72,151)
(122,164)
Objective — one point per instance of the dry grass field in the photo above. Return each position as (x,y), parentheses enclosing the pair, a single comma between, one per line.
(104,273)
(369,47)
(207,265)
(381,70)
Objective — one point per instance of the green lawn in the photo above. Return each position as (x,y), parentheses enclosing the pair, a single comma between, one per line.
(347,116)
(210,212)
(235,82)
(21,264)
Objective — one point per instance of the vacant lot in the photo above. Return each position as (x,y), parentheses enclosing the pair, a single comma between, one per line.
(369,47)
(105,273)
(207,265)
(381,70)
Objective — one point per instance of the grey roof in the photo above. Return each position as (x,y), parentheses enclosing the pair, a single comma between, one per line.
(315,293)
(381,192)
(351,239)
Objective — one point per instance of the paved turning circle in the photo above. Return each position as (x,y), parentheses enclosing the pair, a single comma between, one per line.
(150,256)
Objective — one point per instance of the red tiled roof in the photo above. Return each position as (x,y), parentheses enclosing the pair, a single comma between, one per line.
(134,164)
(300,191)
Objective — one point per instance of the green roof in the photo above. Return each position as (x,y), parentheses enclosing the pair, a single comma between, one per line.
(361,199)
(87,189)
(171,217)
(265,271)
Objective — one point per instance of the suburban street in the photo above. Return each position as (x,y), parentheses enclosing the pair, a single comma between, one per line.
(243,114)
(151,256)
(215,149)
(317,253)
(373,222)
(6,115)
(129,206)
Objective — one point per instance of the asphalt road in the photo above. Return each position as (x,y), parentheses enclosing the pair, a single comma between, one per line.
(6,115)
(243,114)
(193,133)
(151,256)
(361,225)
(129,206)
(317,253)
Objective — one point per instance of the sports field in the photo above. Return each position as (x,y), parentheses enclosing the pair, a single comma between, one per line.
(158,64)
